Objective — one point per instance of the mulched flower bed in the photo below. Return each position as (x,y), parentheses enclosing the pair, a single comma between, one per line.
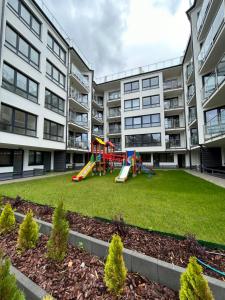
(79,276)
(154,244)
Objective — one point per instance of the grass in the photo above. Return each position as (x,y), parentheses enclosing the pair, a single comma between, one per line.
(172,201)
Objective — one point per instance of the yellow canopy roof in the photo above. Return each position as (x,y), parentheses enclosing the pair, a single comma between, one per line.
(100,141)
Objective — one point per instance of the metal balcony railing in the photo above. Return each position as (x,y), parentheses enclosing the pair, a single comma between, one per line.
(214,80)
(73,143)
(174,123)
(171,84)
(210,39)
(215,127)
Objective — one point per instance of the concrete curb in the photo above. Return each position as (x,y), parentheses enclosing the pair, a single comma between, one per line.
(30,289)
(154,269)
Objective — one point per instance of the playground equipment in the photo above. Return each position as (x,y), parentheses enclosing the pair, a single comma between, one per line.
(103,159)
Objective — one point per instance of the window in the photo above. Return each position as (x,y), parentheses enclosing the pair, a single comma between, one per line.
(20,84)
(6,158)
(166,157)
(142,121)
(115,127)
(26,15)
(78,158)
(55,75)
(131,87)
(114,95)
(132,104)
(146,157)
(17,121)
(143,140)
(56,48)
(150,83)
(151,101)
(53,131)
(35,158)
(54,102)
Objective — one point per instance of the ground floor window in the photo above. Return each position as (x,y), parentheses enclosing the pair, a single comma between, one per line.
(35,158)
(78,158)
(67,158)
(6,158)
(146,157)
(166,157)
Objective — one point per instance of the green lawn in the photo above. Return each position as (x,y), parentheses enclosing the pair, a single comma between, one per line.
(171,201)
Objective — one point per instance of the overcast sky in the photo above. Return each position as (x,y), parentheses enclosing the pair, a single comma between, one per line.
(116,35)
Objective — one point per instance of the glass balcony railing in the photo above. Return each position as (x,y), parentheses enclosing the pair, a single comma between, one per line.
(114,113)
(210,39)
(173,104)
(97,116)
(190,92)
(74,119)
(194,139)
(214,80)
(202,14)
(73,143)
(118,146)
(173,144)
(174,123)
(97,131)
(79,98)
(116,129)
(192,117)
(76,73)
(98,101)
(171,84)
(215,127)
(114,96)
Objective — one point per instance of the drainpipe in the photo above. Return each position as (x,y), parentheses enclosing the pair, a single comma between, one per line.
(201,160)
(1,29)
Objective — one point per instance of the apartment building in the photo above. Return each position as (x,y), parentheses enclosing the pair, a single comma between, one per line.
(51,106)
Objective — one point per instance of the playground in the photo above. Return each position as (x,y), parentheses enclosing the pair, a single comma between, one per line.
(171,201)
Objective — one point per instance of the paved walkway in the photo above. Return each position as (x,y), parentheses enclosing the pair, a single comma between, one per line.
(36,177)
(213,179)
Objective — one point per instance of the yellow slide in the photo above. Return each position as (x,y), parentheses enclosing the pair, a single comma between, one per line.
(85,171)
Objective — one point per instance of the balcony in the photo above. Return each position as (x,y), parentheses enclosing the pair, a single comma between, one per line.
(79,80)
(189,72)
(114,114)
(114,130)
(174,124)
(192,117)
(202,15)
(173,84)
(173,105)
(118,146)
(215,127)
(97,132)
(77,122)
(114,99)
(98,102)
(191,95)
(194,140)
(78,101)
(174,144)
(214,39)
(97,118)
(73,143)
(213,90)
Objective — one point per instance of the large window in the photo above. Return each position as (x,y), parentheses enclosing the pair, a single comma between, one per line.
(142,121)
(53,131)
(6,158)
(56,48)
(132,104)
(143,140)
(114,95)
(166,157)
(151,101)
(150,83)
(130,87)
(26,15)
(55,75)
(20,84)
(17,121)
(35,158)
(21,47)
(54,102)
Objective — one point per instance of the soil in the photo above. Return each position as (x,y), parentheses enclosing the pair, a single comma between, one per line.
(163,247)
(79,276)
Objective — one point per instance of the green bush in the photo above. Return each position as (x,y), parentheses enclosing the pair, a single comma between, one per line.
(8,287)
(28,233)
(7,219)
(47,297)
(193,284)
(115,271)
(57,244)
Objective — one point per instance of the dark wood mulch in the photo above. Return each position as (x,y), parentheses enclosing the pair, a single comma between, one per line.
(79,276)
(154,244)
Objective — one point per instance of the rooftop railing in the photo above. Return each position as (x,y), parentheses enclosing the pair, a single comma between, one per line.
(140,70)
(61,30)
(210,39)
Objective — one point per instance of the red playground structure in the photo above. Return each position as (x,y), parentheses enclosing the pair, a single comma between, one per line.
(103,159)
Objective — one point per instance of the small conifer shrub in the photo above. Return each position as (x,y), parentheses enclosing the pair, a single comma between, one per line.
(193,284)
(8,287)
(7,219)
(57,244)
(47,297)
(28,233)
(115,271)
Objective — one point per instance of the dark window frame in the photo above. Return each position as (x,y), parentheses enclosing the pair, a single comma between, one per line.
(150,105)
(32,16)
(16,49)
(131,90)
(150,86)
(49,135)
(132,107)
(12,124)
(17,90)
(54,41)
(151,123)
(10,158)
(142,142)
(35,163)
(52,107)
(51,76)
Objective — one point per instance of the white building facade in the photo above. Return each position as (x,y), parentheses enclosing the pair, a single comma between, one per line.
(51,107)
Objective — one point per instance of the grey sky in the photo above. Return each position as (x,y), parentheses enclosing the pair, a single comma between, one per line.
(120,34)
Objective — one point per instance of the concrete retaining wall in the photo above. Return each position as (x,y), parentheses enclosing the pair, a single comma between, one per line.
(154,269)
